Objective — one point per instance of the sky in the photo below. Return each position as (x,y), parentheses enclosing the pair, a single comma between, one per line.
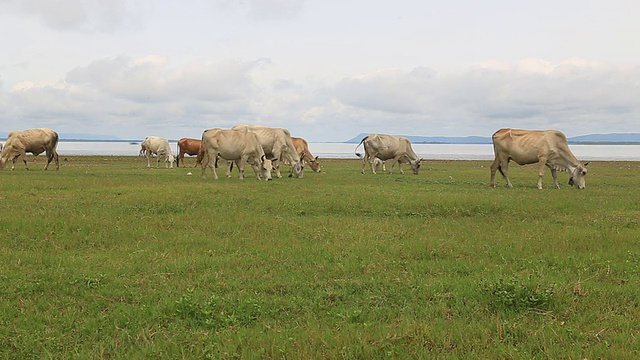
(325,70)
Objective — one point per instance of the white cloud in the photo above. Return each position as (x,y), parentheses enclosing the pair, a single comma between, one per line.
(132,97)
(326,70)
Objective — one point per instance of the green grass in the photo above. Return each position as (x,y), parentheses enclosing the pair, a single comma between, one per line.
(106,258)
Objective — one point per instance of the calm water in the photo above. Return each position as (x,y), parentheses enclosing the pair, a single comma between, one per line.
(347,151)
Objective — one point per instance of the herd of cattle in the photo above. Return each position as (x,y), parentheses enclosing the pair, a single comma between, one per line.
(264,148)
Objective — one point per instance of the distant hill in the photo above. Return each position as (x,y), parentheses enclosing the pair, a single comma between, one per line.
(617,138)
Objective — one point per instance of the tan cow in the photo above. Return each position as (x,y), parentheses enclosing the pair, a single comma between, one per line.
(389,147)
(302,148)
(35,141)
(190,147)
(277,145)
(549,148)
(234,146)
(160,147)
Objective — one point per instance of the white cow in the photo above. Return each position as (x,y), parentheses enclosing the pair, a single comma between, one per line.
(277,145)
(388,147)
(160,147)
(234,146)
(549,148)
(35,141)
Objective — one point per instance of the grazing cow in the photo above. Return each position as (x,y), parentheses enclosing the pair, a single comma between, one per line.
(35,141)
(277,145)
(190,147)
(302,148)
(549,148)
(234,146)
(160,147)
(389,147)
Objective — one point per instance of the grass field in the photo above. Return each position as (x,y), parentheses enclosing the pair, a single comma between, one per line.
(106,258)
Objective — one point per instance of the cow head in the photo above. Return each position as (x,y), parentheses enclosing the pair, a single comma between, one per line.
(297,168)
(578,176)
(314,164)
(415,165)
(265,167)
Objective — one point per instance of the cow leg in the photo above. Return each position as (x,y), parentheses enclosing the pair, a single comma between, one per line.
(203,164)
(55,158)
(372,160)
(240,164)
(364,162)
(276,165)
(494,167)
(230,168)
(541,172)
(49,159)
(503,166)
(212,164)
(393,163)
(554,174)
(148,155)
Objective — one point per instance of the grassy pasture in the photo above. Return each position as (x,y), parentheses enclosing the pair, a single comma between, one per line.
(106,258)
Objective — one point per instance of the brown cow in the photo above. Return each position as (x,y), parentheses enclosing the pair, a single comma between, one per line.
(35,141)
(549,148)
(302,148)
(190,147)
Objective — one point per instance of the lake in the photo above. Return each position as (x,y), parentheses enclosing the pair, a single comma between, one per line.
(347,151)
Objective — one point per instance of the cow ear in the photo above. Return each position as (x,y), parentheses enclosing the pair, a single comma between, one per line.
(587,163)
(316,158)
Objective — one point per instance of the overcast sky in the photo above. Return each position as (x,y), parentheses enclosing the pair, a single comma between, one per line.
(326,70)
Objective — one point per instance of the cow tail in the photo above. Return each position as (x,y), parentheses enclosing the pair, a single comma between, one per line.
(361,141)
(177,155)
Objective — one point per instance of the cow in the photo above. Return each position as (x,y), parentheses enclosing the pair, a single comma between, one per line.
(302,148)
(277,145)
(35,141)
(236,147)
(190,147)
(548,147)
(389,147)
(160,147)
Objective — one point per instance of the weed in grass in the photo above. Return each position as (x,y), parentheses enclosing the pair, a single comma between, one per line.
(514,294)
